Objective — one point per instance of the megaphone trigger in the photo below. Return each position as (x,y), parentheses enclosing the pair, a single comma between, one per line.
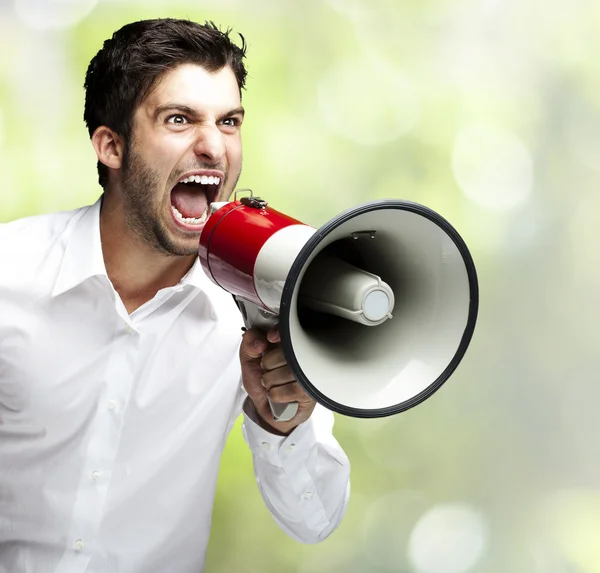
(283,412)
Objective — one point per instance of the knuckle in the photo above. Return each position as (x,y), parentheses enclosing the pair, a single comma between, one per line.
(284,392)
(266,380)
(277,393)
(274,395)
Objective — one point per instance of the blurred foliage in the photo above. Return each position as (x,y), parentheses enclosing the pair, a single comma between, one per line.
(354,100)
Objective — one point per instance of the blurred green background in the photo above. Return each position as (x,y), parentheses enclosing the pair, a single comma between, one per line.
(486,111)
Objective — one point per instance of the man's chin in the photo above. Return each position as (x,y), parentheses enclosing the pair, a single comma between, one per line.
(180,249)
(174,241)
(185,244)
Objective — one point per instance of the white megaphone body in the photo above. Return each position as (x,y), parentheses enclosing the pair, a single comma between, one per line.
(375,308)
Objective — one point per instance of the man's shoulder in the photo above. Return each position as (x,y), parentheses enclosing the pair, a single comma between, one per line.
(30,231)
(29,243)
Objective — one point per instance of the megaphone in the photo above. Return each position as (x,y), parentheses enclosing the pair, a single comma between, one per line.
(376,308)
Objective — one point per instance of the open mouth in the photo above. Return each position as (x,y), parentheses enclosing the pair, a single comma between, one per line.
(191,197)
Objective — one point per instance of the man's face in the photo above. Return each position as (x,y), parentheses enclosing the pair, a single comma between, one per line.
(187,129)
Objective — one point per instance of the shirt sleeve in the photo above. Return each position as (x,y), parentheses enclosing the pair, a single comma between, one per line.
(304,478)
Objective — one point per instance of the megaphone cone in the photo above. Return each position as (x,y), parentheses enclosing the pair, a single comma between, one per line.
(376,308)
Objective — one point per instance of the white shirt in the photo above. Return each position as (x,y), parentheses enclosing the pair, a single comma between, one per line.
(112,425)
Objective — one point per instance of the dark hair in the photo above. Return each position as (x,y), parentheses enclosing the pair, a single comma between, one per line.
(124,71)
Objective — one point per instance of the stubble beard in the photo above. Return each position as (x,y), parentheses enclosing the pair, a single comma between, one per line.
(140,188)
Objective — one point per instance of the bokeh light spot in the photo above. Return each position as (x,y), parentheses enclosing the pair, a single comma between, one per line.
(571,519)
(492,166)
(449,538)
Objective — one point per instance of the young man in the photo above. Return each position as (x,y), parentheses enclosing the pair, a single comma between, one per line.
(120,362)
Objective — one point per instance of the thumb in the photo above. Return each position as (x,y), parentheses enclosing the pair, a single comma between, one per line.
(254,344)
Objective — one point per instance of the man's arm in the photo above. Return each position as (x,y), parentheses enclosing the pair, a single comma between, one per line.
(304,477)
(301,470)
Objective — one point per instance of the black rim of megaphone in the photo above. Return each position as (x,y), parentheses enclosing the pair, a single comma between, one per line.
(296,269)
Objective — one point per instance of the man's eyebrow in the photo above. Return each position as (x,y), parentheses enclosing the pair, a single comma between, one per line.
(237,111)
(174,107)
(191,112)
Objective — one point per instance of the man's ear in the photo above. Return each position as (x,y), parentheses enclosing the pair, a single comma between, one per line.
(109,147)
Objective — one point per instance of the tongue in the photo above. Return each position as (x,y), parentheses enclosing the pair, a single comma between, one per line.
(190,200)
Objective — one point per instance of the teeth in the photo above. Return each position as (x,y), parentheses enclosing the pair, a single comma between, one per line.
(203,179)
(190,220)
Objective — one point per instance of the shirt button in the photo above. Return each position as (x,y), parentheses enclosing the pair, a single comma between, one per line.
(79,545)
(129,329)
(290,448)
(95,475)
(112,404)
(266,446)
(308,495)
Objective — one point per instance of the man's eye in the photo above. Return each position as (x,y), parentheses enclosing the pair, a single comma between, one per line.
(177,120)
(231,121)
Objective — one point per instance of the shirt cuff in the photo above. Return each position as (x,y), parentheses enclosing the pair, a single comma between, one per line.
(277,450)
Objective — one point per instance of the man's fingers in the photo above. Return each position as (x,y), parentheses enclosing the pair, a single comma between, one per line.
(253,345)
(291,392)
(273,359)
(273,335)
(277,377)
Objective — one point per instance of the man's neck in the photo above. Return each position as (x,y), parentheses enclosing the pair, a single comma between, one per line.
(136,271)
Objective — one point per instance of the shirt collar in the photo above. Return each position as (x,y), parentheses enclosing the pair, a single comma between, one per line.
(83,253)
(196,277)
(83,256)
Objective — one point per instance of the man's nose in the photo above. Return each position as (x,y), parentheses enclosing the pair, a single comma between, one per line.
(210,144)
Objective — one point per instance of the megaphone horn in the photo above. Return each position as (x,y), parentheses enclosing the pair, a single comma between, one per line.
(376,308)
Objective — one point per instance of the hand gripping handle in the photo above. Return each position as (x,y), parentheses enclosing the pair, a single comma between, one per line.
(256,317)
